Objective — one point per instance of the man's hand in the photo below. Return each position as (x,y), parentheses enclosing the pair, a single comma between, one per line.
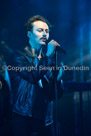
(51,47)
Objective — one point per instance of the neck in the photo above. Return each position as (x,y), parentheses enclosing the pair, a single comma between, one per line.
(35,51)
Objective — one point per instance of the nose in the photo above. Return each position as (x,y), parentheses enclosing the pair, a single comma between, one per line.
(44,33)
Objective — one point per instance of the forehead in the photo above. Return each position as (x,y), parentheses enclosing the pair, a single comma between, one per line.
(40,24)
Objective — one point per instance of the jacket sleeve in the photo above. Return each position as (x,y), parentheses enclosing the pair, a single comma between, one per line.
(21,67)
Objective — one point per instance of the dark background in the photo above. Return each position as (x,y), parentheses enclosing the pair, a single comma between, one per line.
(71,20)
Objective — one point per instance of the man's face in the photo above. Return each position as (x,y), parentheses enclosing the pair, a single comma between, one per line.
(39,34)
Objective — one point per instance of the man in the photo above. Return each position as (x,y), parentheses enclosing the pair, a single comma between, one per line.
(32,80)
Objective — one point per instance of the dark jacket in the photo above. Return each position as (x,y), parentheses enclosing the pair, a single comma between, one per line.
(33,89)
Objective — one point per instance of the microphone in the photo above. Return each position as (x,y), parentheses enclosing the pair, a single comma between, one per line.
(60,49)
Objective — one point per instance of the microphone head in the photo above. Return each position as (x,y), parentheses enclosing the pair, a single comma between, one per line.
(60,49)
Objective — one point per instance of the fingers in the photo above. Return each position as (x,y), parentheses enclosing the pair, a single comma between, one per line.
(51,47)
(53,42)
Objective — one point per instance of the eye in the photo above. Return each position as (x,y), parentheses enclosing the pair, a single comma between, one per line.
(40,30)
(47,31)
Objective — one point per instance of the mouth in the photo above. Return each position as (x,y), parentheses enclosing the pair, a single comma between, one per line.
(44,39)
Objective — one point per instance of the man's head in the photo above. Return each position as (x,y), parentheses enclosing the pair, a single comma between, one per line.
(37,31)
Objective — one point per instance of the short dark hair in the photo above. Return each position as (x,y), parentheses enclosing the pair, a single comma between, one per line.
(29,24)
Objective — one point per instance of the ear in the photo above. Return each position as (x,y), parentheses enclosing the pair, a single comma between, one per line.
(29,34)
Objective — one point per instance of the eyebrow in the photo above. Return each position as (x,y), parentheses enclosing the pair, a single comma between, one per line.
(43,28)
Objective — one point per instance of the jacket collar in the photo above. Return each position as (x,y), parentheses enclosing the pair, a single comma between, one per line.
(32,53)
